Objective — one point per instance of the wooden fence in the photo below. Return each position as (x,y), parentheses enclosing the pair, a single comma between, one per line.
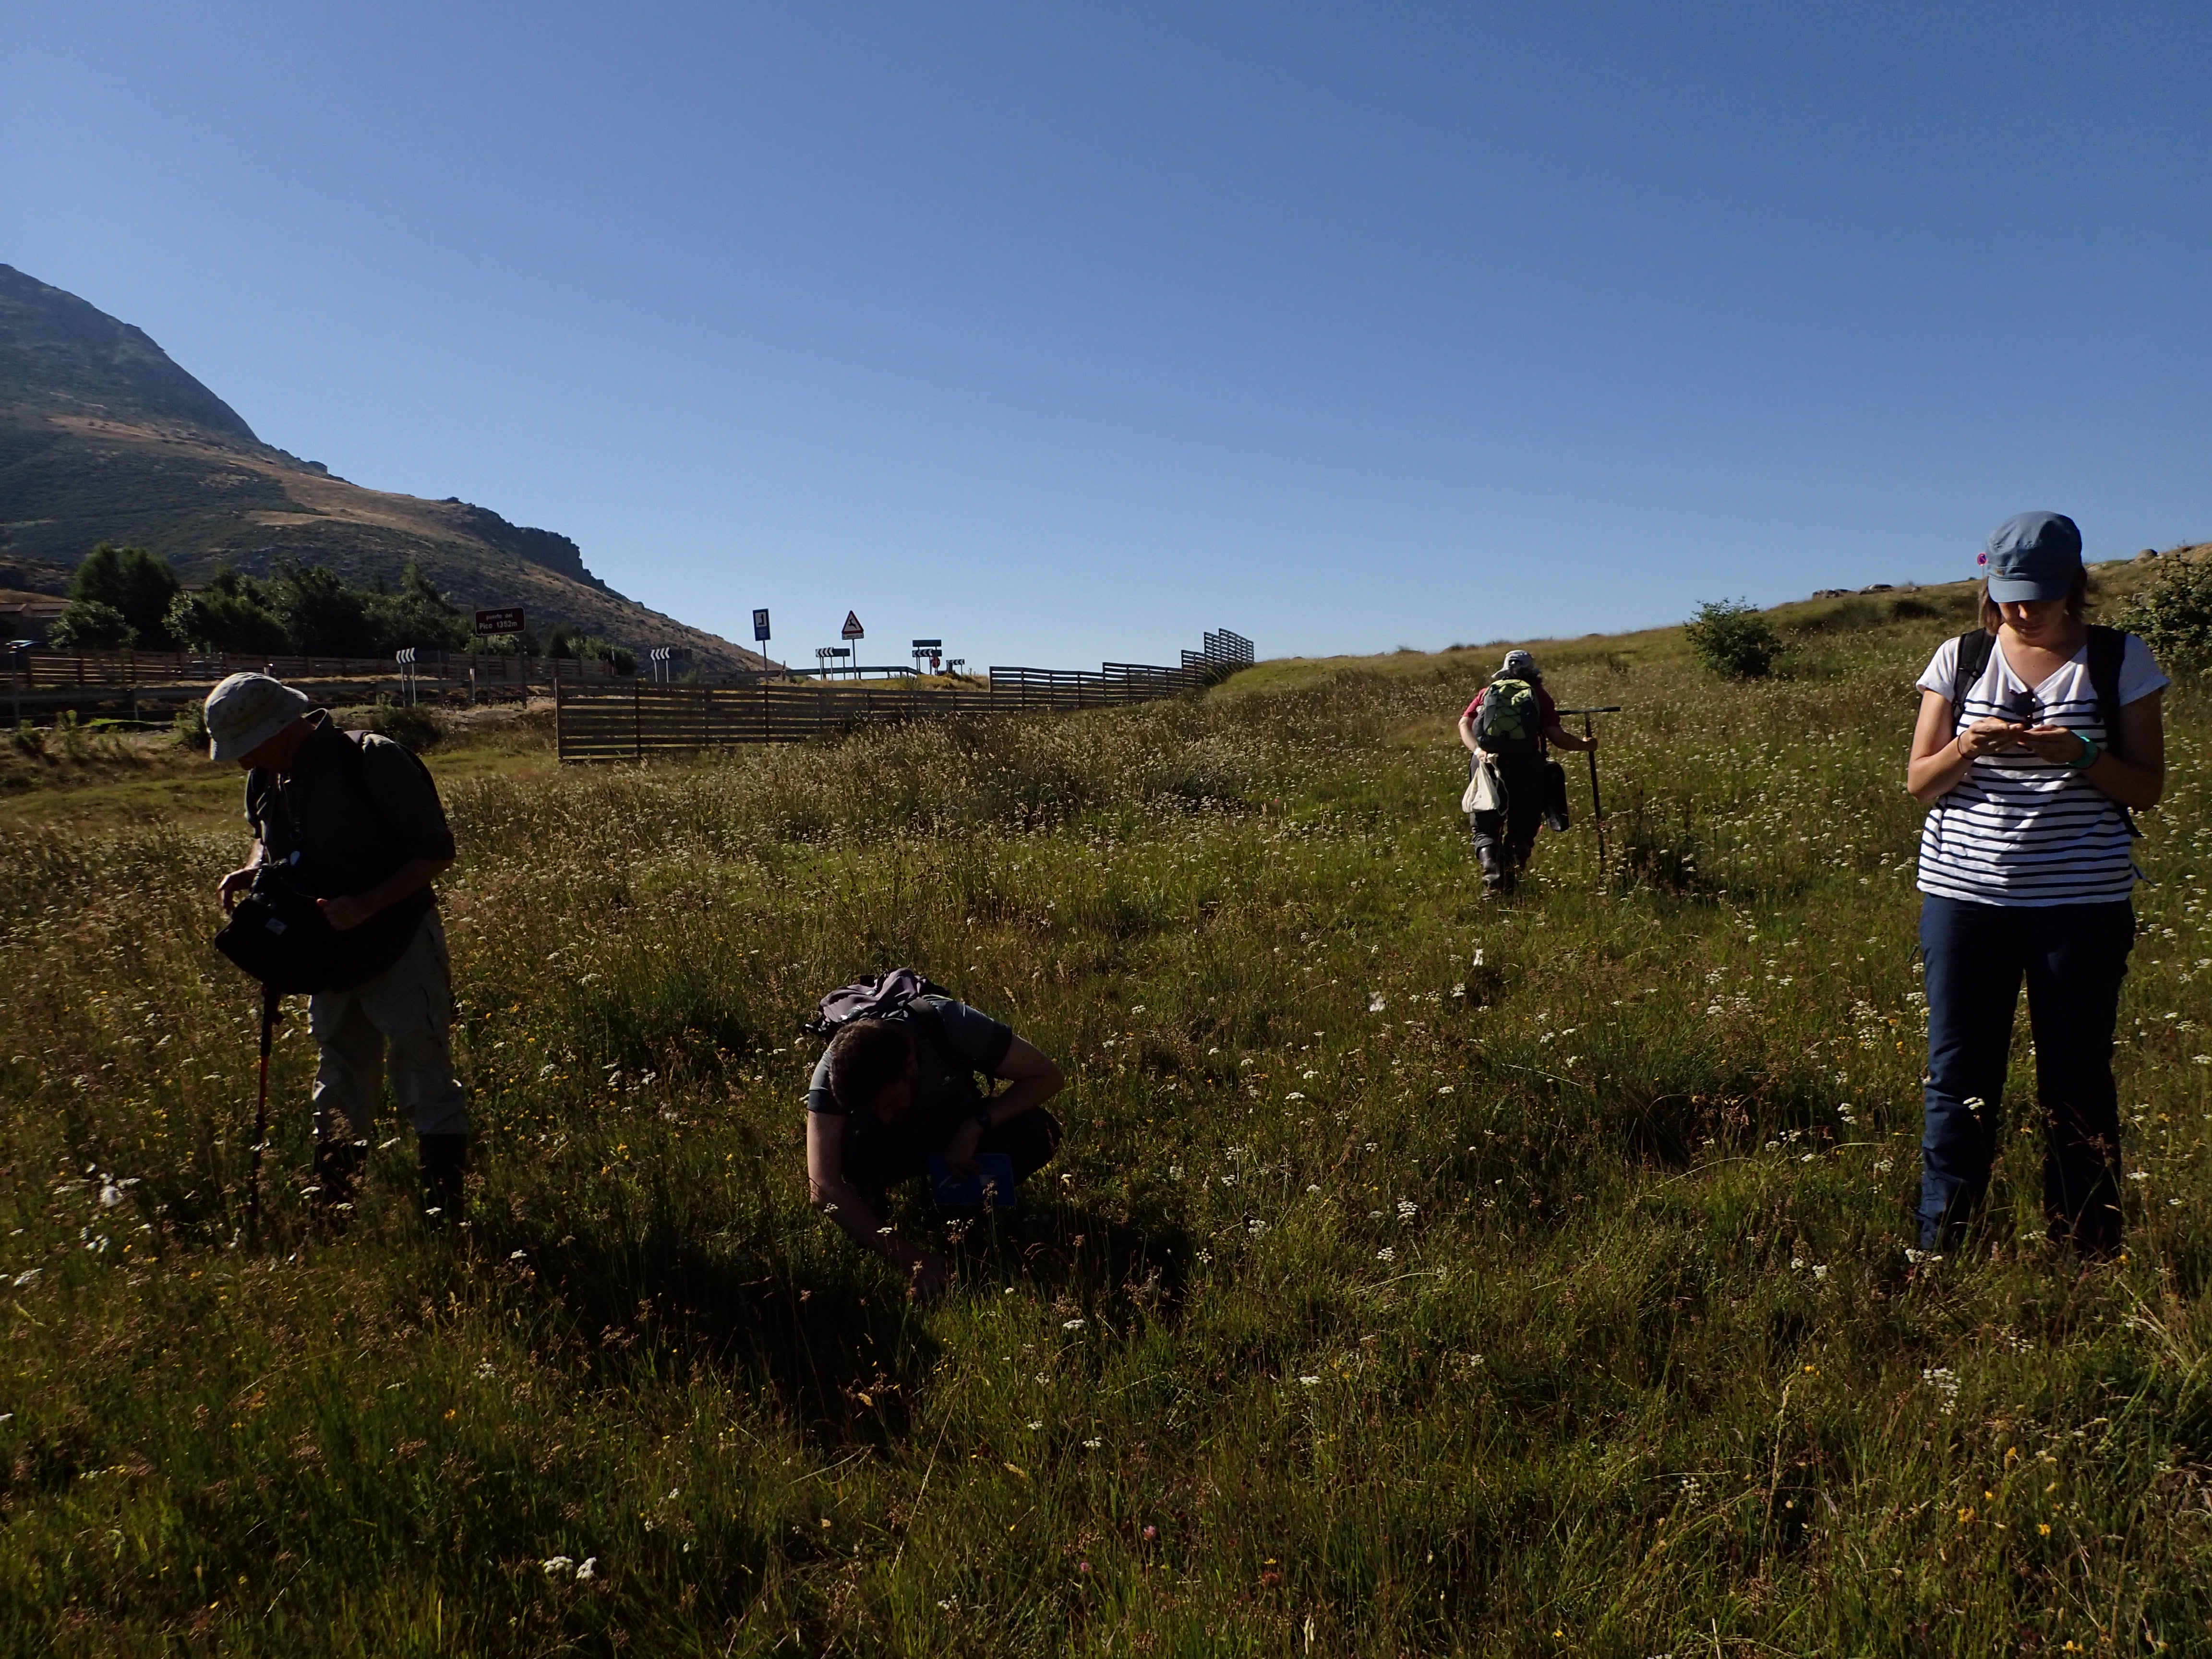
(38,669)
(629,722)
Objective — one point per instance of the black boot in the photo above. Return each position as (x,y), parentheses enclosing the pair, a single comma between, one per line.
(337,1168)
(444,1174)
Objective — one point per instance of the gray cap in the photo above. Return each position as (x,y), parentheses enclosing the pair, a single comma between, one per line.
(246,710)
(1519,665)
(2033,556)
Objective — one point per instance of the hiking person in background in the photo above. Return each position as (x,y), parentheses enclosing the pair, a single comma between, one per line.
(2037,733)
(1504,730)
(357,820)
(896,1088)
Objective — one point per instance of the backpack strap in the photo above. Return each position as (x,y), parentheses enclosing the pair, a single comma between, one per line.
(1974,647)
(2106,647)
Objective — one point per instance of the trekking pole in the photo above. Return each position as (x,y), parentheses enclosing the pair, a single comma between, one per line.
(269,1000)
(1597,806)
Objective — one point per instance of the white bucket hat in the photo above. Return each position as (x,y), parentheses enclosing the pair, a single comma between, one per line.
(246,710)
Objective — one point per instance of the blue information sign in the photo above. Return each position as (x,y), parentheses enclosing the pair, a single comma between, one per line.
(760,625)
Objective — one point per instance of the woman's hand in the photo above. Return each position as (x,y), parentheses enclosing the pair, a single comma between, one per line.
(2056,745)
(1992,736)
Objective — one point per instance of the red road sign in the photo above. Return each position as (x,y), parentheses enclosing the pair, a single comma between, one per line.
(852,629)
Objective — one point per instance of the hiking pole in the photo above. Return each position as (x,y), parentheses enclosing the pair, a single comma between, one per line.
(1597,806)
(269,1000)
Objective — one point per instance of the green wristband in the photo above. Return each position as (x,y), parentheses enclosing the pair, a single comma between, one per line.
(2088,755)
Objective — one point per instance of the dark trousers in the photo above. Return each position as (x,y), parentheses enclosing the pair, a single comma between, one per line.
(2073,957)
(1503,840)
(876,1160)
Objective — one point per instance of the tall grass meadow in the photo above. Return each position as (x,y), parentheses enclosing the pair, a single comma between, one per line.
(1419,1275)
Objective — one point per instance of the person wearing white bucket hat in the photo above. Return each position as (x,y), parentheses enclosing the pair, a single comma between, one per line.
(357,820)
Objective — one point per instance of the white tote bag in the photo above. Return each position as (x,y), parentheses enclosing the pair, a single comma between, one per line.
(1485,794)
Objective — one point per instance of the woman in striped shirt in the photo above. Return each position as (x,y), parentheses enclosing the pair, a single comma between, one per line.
(2030,761)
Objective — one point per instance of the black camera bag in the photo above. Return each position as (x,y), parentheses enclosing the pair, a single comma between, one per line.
(278,934)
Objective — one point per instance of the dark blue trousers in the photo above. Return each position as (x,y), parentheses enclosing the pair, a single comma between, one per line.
(2073,957)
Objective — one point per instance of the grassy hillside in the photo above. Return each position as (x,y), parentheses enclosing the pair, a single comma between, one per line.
(103,438)
(1421,1275)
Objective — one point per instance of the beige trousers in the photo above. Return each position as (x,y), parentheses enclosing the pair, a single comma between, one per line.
(403,1018)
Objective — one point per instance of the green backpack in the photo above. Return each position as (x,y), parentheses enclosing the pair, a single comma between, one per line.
(1511,716)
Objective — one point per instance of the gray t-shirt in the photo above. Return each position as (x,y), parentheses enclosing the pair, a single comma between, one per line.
(952,1041)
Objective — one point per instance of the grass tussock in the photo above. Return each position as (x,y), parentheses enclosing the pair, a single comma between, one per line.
(1419,1276)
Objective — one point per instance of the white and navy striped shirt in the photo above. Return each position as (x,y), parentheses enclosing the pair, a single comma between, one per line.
(2016,830)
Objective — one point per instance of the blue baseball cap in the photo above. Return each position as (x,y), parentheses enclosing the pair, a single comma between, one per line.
(2033,556)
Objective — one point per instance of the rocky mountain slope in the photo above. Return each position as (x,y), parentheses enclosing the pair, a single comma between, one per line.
(103,438)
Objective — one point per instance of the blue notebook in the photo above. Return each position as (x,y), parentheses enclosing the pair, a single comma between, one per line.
(992,1183)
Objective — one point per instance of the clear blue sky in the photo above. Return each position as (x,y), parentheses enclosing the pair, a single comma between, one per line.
(1067,332)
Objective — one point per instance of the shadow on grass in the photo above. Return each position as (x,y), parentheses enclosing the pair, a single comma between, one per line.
(1078,1256)
(843,1349)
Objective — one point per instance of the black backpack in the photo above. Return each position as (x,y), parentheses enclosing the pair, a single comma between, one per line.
(276,932)
(2107,646)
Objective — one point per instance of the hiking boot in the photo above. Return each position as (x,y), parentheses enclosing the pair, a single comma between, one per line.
(445,1175)
(337,1170)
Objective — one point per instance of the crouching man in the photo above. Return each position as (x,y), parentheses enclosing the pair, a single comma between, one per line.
(357,819)
(896,1088)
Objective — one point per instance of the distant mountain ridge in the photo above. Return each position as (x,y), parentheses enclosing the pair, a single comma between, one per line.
(64,354)
(104,437)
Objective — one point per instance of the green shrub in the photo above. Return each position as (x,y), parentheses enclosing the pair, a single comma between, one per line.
(92,625)
(418,728)
(135,584)
(233,612)
(418,615)
(1734,640)
(190,726)
(2174,613)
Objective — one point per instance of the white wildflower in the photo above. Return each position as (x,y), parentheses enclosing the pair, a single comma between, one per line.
(554,1564)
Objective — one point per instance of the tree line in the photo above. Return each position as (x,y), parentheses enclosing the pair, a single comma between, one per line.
(127,598)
